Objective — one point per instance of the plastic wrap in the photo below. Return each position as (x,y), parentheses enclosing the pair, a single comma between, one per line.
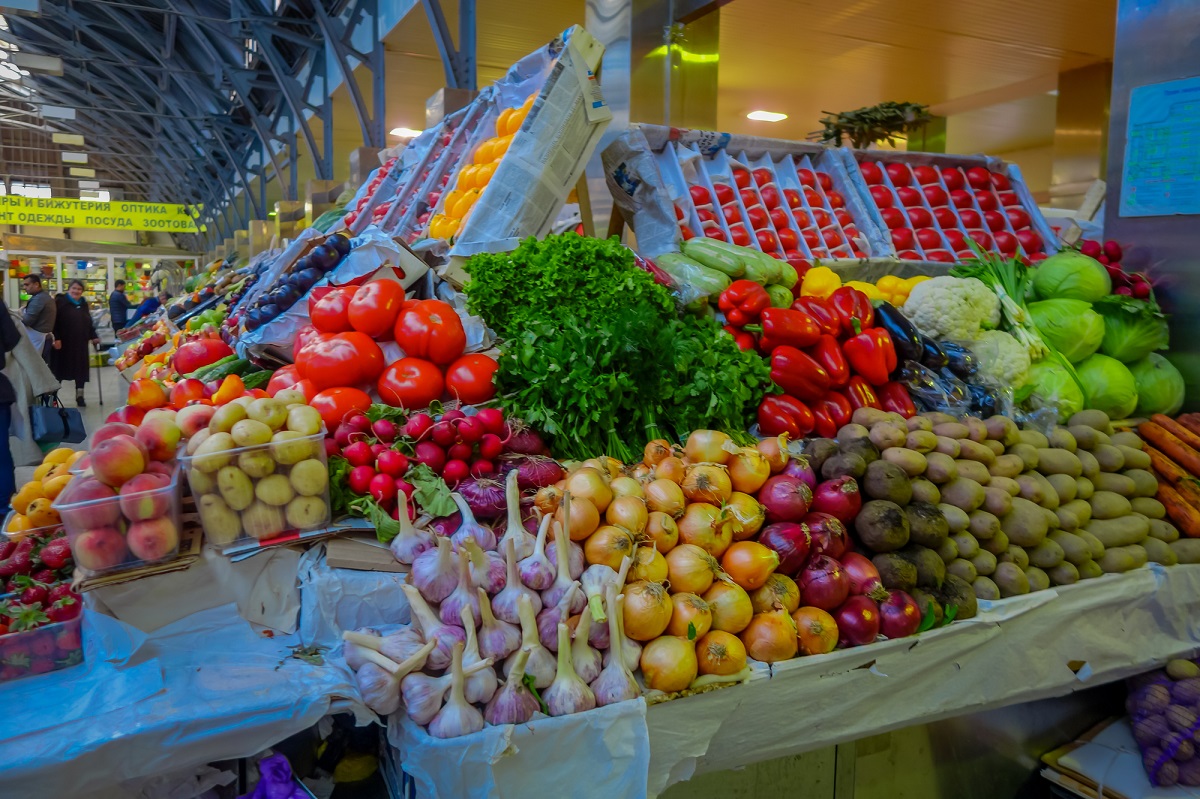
(333,600)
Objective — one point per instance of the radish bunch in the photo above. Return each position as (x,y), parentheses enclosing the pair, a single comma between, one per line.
(1130,284)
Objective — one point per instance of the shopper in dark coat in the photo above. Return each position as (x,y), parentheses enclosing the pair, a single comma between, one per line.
(118,306)
(73,329)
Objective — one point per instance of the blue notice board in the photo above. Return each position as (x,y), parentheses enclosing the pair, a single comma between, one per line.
(1162,150)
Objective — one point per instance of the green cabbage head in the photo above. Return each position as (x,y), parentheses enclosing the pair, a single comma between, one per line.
(1070,326)
(1109,385)
(1160,387)
(1071,275)
(1055,387)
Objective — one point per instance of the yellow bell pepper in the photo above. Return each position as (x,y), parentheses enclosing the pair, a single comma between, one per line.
(820,281)
(872,291)
(891,284)
(912,281)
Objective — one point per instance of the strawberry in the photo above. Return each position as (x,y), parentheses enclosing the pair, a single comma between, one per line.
(10,673)
(32,591)
(41,665)
(20,561)
(56,554)
(63,610)
(46,576)
(29,618)
(61,591)
(68,639)
(15,653)
(7,547)
(42,646)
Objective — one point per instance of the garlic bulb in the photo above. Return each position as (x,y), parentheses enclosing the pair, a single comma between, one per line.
(562,579)
(352,652)
(514,530)
(488,569)
(497,639)
(424,694)
(541,663)
(506,603)
(538,571)
(575,557)
(398,646)
(482,684)
(470,529)
(594,580)
(514,703)
(457,717)
(379,678)
(616,682)
(550,617)
(585,659)
(446,635)
(630,650)
(567,694)
(462,596)
(409,542)
(434,573)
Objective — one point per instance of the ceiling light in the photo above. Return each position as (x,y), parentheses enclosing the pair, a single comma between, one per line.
(89,185)
(80,172)
(45,64)
(74,158)
(67,138)
(57,112)
(405,133)
(766,116)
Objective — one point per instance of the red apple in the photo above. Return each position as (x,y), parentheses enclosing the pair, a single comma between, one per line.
(953,178)
(935,195)
(793,198)
(871,173)
(910,197)
(925,175)
(994,220)
(807,178)
(882,196)
(902,238)
(762,176)
(894,218)
(1006,242)
(971,219)
(979,177)
(1017,217)
(929,238)
(899,174)
(741,178)
(981,238)
(961,198)
(919,217)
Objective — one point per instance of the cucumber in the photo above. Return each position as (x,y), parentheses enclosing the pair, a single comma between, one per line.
(689,272)
(257,379)
(707,253)
(236,366)
(200,374)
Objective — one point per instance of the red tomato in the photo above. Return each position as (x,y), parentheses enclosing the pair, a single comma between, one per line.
(767,241)
(344,359)
(956,238)
(749,198)
(962,198)
(307,333)
(706,215)
(995,220)
(929,238)
(1006,242)
(788,238)
(433,331)
(731,213)
(1010,199)
(939,255)
(900,174)
(981,238)
(1017,217)
(821,217)
(739,236)
(330,313)
(190,389)
(1030,241)
(812,238)
(825,181)
(935,195)
(925,175)
(813,199)
(1000,182)
(757,217)
(779,218)
(836,200)
(411,383)
(820,252)
(724,193)
(882,196)
(802,219)
(770,197)
(979,177)
(700,195)
(894,218)
(902,238)
(469,379)
(763,176)
(793,198)
(679,215)
(741,178)
(971,219)
(714,232)
(843,217)
(686,232)
(374,307)
(306,388)
(919,217)
(910,197)
(370,355)
(987,200)
(832,237)
(284,377)
(807,178)
(908,255)
(953,178)
(946,218)
(851,231)
(871,173)
(797,260)
(335,404)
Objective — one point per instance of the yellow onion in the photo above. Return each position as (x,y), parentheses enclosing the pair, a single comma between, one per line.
(771,636)
(666,497)
(642,473)
(547,499)
(748,470)
(668,664)
(609,467)
(706,482)
(779,589)
(690,616)
(749,512)
(608,545)
(584,518)
(671,468)
(628,512)
(655,451)
(708,527)
(690,569)
(647,610)
(663,531)
(648,564)
(719,652)
(775,451)
(707,446)
(592,485)
(730,605)
(626,487)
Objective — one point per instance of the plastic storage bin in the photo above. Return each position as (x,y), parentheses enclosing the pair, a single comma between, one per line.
(117,533)
(43,650)
(262,491)
(17,535)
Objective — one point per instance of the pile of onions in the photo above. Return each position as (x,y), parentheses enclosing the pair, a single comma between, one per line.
(707,446)
(864,577)
(771,636)
(858,621)
(582,515)
(668,663)
(816,631)
(791,542)
(609,545)
(828,535)
(748,469)
(671,469)
(899,615)
(629,513)
(691,569)
(750,514)
(800,467)
(730,605)
(785,498)
(665,496)
(592,485)
(690,617)
(708,527)
(838,497)
(720,653)
(706,482)
(823,583)
(775,451)
(779,589)
(662,531)
(749,564)
(649,564)
(647,610)
(655,452)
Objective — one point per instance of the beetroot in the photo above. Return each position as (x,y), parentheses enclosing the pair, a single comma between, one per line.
(828,534)
(792,542)
(838,497)
(857,621)
(824,584)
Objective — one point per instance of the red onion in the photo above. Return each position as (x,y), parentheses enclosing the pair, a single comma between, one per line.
(790,541)
(533,471)
(828,534)
(857,621)
(799,467)
(446,526)
(838,497)
(786,498)
(485,497)
(823,583)
(899,615)
(864,577)
(526,442)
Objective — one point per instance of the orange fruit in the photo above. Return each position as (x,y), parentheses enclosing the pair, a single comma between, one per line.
(42,515)
(54,485)
(28,493)
(19,523)
(59,455)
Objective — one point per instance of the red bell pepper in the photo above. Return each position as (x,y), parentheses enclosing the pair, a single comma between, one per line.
(744,340)
(783,414)
(850,304)
(798,374)
(824,426)
(894,397)
(861,395)
(838,407)
(828,352)
(871,355)
(821,312)
(784,326)
(743,302)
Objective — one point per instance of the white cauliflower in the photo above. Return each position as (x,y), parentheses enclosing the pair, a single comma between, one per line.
(952,308)
(1002,358)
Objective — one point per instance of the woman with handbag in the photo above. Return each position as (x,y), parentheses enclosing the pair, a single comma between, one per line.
(73,329)
(9,338)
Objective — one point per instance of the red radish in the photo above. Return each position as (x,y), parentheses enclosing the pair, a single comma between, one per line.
(332,448)
(490,446)
(953,178)
(979,177)
(1104,260)
(443,433)
(910,196)
(919,217)
(946,218)
(470,430)
(1009,199)
(823,583)
(418,426)
(376,449)
(1019,218)
(455,472)
(899,174)
(453,415)
(407,487)
(1030,241)
(1114,272)
(839,498)
(799,467)
(899,615)
(871,173)
(962,198)
(1038,257)
(392,463)
(792,542)
(1006,242)
(1141,290)
(383,490)
(864,577)
(342,435)
(359,454)
(995,220)
(1000,182)
(929,238)
(358,423)
(431,455)
(460,451)
(902,238)
(882,196)
(828,534)
(482,468)
(359,479)
(1124,291)
(1113,250)
(987,201)
(492,420)
(971,219)
(384,430)
(857,621)
(1091,249)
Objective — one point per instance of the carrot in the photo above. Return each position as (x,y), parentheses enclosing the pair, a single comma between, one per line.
(1167,469)
(1185,516)
(1171,446)
(1191,421)
(1178,430)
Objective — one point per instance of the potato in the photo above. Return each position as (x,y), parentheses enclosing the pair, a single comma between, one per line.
(884,480)
(1003,429)
(1087,437)
(964,569)
(1121,532)
(1149,507)
(956,518)
(1032,489)
(235,487)
(1088,463)
(1065,487)
(940,468)
(1051,517)
(1074,548)
(1084,488)
(1163,530)
(1127,438)
(920,441)
(1050,499)
(968,546)
(1186,549)
(1080,509)
(927,526)
(309,477)
(1145,484)
(882,526)
(996,544)
(1107,505)
(887,434)
(1064,573)
(274,490)
(1046,555)
(948,446)
(976,429)
(973,470)
(1058,461)
(261,520)
(974,451)
(1110,458)
(1116,483)
(920,423)
(937,417)
(948,550)
(1135,458)
(1089,570)
(1007,466)
(985,589)
(866,416)
(1014,554)
(1038,579)
(1061,438)
(221,525)
(1122,559)
(256,463)
(984,562)
(952,430)
(1034,439)
(913,463)
(1027,453)
(925,491)
(1093,544)
(852,432)
(1066,520)
(862,447)
(1097,419)
(984,525)
(963,493)
(1025,525)
(204,483)
(305,513)
(215,453)
(997,501)
(1005,484)
(1159,552)
(1010,579)
(843,464)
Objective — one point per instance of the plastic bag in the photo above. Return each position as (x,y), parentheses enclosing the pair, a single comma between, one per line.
(1163,712)
(933,391)
(276,781)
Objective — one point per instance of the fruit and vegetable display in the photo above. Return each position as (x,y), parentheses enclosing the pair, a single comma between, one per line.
(292,284)
(1163,706)
(39,611)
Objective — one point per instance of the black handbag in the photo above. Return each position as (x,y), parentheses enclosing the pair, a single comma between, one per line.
(54,424)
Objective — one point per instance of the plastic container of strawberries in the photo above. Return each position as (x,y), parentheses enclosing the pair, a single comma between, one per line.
(51,647)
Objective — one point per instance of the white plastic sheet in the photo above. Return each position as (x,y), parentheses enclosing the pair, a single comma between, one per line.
(333,600)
